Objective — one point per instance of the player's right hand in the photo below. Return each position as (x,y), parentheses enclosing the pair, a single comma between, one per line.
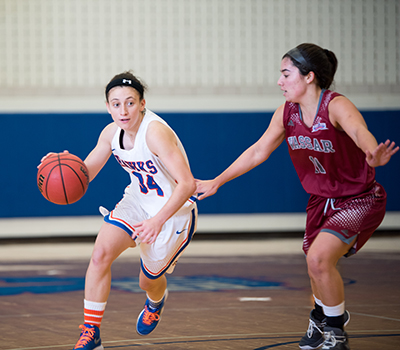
(205,188)
(47,156)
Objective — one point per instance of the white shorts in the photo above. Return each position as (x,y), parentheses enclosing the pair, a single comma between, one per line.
(176,234)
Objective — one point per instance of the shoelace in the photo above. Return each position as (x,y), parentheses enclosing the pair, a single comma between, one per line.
(149,317)
(331,339)
(86,336)
(310,330)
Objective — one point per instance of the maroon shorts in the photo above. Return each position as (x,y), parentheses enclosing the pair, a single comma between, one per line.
(346,217)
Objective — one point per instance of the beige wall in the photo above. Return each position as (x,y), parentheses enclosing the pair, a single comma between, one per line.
(194,54)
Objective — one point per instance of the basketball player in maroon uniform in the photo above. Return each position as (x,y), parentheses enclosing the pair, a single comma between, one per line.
(334,155)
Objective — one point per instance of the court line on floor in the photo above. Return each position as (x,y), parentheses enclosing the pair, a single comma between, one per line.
(150,341)
(36,267)
(218,337)
(375,316)
(177,309)
(170,310)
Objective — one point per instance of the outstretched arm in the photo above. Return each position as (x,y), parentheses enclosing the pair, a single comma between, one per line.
(249,159)
(346,116)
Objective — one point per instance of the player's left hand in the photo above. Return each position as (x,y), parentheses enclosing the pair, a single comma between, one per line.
(381,154)
(148,230)
(205,188)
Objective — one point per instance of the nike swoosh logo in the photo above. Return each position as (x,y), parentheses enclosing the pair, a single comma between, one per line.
(179,232)
(96,341)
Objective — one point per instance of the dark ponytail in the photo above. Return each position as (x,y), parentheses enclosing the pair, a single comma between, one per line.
(310,57)
(334,62)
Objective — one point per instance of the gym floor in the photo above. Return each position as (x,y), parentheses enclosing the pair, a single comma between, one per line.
(223,294)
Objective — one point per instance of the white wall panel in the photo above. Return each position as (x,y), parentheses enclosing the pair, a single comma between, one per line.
(357,43)
(191,47)
(379,41)
(346,60)
(397,43)
(390,35)
(368,59)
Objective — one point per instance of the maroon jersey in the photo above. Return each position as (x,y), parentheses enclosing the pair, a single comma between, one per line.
(328,162)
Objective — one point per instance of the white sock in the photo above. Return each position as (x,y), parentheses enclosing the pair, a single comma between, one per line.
(318,302)
(93,305)
(93,312)
(334,311)
(154,304)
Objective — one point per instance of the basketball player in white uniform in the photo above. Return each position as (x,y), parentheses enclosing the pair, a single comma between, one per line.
(157,211)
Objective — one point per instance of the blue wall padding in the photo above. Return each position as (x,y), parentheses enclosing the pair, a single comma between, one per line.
(212,141)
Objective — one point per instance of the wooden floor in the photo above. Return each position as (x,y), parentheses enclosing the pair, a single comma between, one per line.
(226,296)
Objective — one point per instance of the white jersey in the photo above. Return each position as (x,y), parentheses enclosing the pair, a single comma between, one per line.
(151,182)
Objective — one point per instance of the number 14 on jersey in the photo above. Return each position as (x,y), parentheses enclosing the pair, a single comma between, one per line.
(148,184)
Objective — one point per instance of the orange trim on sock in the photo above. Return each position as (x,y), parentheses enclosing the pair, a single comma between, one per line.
(93,317)
(93,312)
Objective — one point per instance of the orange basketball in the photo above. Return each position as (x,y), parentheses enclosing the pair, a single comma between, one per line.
(63,178)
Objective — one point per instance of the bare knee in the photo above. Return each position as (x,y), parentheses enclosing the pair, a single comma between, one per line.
(324,254)
(101,258)
(318,265)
